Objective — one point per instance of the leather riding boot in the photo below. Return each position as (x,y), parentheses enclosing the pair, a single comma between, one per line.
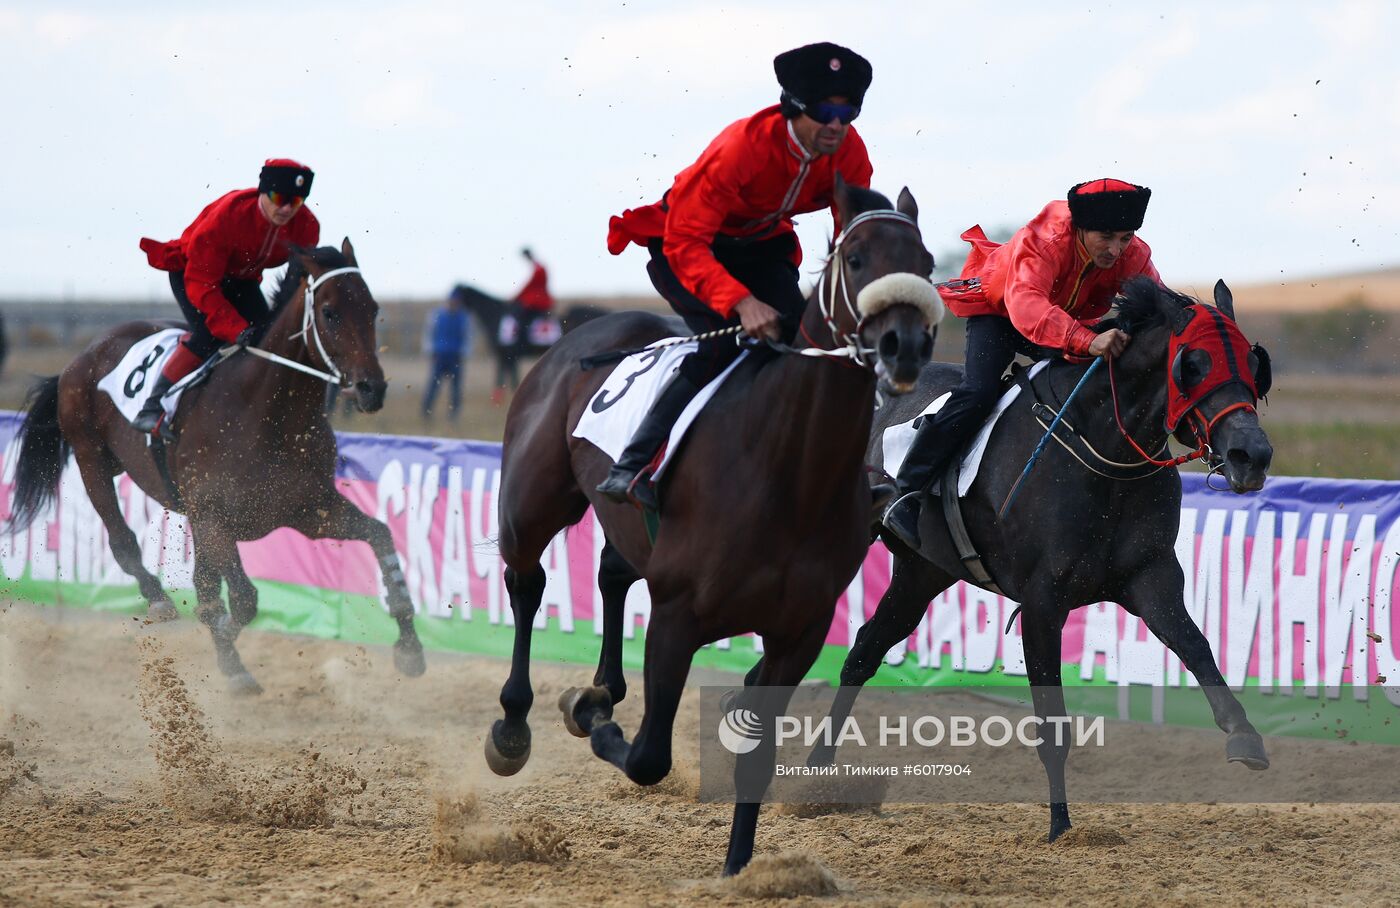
(152,410)
(933,447)
(627,478)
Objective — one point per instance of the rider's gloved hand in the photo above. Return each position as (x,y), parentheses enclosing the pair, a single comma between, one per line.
(245,338)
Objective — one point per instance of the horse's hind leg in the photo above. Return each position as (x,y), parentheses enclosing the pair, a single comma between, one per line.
(581,707)
(914,582)
(1155,594)
(671,642)
(96,468)
(216,557)
(343,520)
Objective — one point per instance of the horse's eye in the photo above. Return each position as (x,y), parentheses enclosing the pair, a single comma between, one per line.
(330,313)
(853,260)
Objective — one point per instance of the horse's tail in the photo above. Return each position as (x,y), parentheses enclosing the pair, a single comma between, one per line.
(42,453)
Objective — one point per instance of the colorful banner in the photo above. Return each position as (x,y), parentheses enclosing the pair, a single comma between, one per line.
(1292,586)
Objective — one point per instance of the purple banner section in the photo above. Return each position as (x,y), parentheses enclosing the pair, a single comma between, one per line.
(1292,586)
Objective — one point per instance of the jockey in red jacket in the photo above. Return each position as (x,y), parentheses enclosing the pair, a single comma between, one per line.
(723,249)
(534,297)
(217,263)
(1041,290)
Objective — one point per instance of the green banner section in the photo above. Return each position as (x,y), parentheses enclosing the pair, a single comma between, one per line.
(1334,713)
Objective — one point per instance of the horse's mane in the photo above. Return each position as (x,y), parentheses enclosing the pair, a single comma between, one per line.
(326,257)
(1139,307)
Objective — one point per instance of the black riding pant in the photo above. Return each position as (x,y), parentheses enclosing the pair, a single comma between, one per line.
(992,343)
(764,266)
(245,295)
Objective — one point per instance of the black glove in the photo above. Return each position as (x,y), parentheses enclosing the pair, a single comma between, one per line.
(245,339)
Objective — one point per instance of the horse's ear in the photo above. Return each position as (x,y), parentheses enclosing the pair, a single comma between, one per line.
(906,205)
(349,252)
(1224,299)
(841,194)
(299,255)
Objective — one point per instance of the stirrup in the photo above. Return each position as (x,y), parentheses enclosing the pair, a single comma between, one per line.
(617,486)
(902,518)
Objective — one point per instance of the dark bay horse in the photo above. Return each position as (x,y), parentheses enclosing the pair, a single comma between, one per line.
(254,453)
(1083,531)
(490,311)
(763,512)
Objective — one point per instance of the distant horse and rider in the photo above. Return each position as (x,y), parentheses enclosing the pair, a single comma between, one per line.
(251,450)
(509,347)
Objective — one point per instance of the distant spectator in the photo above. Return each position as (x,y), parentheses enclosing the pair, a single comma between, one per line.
(447,339)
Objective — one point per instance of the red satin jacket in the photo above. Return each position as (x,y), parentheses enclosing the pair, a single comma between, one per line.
(535,294)
(1044,281)
(230,238)
(750,182)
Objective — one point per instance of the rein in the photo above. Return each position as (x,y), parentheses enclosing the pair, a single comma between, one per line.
(1202,438)
(332,375)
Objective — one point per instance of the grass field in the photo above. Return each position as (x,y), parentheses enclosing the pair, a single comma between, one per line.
(1345,426)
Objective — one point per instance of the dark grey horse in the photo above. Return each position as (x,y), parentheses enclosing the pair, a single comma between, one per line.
(1072,536)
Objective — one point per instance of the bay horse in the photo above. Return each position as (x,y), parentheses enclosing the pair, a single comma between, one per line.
(489,312)
(763,512)
(254,452)
(1088,527)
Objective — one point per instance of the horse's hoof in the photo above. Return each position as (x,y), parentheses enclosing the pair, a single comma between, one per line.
(1059,821)
(822,755)
(161,610)
(567,701)
(243,684)
(593,702)
(507,752)
(408,659)
(1247,748)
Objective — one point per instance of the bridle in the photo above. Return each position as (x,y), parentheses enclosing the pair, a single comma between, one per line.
(1201,428)
(834,280)
(310,333)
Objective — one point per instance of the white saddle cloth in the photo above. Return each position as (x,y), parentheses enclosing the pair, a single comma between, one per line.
(617,409)
(130,382)
(897,438)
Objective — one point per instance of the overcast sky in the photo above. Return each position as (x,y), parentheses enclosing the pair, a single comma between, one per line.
(446,135)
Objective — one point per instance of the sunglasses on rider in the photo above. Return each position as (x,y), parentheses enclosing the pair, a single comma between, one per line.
(826,111)
(283,198)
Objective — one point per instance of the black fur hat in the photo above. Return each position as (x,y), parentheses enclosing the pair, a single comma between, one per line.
(815,72)
(1109,205)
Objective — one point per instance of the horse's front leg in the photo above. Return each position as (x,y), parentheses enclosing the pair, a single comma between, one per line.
(345,521)
(216,557)
(913,584)
(1041,626)
(1156,595)
(508,744)
(582,706)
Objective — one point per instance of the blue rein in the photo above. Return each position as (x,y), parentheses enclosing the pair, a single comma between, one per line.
(1040,448)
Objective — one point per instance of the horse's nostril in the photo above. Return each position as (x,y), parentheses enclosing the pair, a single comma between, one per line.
(889,345)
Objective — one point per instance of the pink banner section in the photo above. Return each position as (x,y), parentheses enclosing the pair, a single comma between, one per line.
(1292,586)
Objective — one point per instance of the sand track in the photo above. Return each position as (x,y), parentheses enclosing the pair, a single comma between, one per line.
(128,777)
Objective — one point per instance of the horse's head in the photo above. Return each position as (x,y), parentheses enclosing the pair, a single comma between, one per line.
(1213,377)
(338,320)
(875,291)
